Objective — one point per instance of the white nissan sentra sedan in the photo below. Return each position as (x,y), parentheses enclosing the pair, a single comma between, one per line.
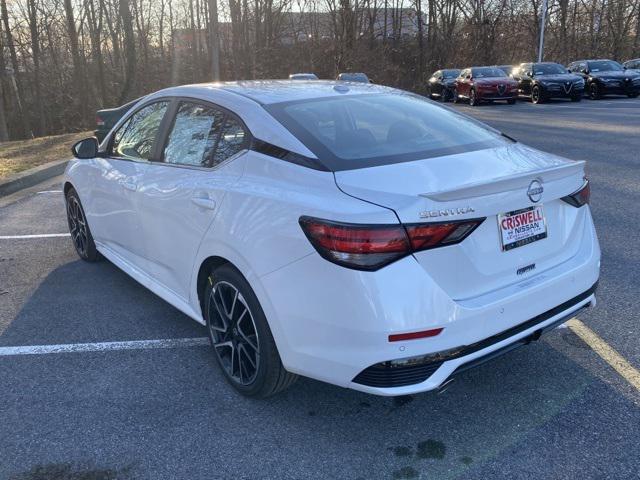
(352,233)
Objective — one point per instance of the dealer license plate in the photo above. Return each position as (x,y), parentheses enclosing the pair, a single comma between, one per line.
(522,227)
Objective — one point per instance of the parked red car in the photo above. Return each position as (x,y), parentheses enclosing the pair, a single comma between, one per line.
(485,84)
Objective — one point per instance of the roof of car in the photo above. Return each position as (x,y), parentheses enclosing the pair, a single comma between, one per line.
(276,91)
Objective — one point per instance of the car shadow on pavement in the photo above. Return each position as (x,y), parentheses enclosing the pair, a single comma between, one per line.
(128,411)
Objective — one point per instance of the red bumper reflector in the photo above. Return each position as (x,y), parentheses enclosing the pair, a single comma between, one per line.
(414,335)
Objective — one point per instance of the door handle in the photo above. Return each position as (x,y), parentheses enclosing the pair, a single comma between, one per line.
(129,184)
(204,202)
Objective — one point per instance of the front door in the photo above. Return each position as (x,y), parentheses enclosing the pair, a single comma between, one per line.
(180,194)
(113,198)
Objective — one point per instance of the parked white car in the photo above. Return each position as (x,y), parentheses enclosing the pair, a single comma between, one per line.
(356,234)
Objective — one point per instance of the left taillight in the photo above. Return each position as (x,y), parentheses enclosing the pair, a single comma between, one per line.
(99,121)
(580,197)
(371,247)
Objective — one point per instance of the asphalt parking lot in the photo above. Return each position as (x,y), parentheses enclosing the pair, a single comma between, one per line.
(161,410)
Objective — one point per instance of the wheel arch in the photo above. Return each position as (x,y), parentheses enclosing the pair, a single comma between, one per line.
(66,187)
(207,265)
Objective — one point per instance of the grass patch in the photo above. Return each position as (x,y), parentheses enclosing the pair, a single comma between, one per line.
(21,155)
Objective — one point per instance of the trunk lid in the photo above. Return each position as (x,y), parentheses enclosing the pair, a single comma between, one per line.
(483,183)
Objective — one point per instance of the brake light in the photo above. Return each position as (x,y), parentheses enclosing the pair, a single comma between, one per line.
(371,247)
(581,197)
(99,121)
(401,337)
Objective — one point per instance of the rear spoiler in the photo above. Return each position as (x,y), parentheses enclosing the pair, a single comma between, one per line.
(508,183)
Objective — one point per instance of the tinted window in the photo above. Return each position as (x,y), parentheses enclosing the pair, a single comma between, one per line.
(450,73)
(232,140)
(194,134)
(604,66)
(548,69)
(488,72)
(136,137)
(365,130)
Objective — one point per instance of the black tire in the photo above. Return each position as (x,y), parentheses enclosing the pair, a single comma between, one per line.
(444,96)
(238,334)
(79,228)
(576,99)
(511,101)
(473,100)
(594,91)
(633,95)
(536,95)
(456,98)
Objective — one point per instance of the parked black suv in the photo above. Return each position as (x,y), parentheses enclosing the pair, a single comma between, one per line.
(442,84)
(542,81)
(604,77)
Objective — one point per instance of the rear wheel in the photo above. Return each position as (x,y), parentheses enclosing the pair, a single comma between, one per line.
(241,337)
(473,99)
(594,92)
(79,228)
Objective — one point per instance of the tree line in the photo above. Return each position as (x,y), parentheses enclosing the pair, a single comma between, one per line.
(61,60)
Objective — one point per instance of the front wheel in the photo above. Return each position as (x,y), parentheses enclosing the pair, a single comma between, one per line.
(576,99)
(473,99)
(79,228)
(536,95)
(240,335)
(594,92)
(511,101)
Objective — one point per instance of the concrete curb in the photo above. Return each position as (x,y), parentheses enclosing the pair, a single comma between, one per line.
(31,177)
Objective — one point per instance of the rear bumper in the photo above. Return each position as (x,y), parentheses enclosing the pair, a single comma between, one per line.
(332,324)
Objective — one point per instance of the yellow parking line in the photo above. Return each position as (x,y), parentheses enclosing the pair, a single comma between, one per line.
(608,354)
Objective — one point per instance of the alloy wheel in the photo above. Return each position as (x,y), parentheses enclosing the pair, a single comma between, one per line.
(535,95)
(77,225)
(233,333)
(593,91)
(472,98)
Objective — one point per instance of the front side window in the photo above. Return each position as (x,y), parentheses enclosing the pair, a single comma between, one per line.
(136,137)
(366,130)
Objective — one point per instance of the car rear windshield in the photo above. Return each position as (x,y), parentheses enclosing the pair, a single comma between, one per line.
(487,72)
(450,73)
(548,69)
(358,131)
(604,66)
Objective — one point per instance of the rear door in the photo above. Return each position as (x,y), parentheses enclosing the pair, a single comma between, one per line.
(180,193)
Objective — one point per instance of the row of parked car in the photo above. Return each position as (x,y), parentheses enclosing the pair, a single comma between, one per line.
(537,81)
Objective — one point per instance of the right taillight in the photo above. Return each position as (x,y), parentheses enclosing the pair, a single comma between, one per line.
(580,197)
(370,247)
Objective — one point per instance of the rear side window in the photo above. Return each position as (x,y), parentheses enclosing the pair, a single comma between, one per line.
(194,135)
(136,137)
(203,136)
(360,131)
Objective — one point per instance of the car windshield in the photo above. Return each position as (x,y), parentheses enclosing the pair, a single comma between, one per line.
(450,73)
(604,66)
(488,72)
(548,69)
(364,130)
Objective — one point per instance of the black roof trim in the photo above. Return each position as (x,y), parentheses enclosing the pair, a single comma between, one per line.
(274,151)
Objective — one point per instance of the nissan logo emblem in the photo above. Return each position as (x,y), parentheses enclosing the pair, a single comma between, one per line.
(534,192)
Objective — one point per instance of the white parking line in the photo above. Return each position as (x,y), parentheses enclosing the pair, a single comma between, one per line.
(43,235)
(49,191)
(103,346)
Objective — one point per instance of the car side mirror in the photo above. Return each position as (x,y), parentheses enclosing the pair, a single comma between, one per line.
(86,148)
(584,70)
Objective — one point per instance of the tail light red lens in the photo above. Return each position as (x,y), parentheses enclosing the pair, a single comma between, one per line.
(370,247)
(581,197)
(99,121)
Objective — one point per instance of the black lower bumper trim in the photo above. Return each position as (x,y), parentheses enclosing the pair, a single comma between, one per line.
(389,375)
